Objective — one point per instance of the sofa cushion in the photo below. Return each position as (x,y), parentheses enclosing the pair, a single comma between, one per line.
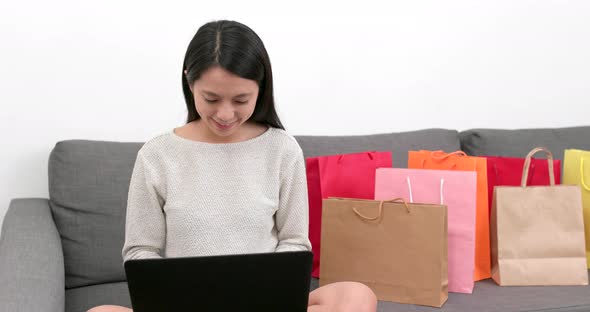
(517,143)
(398,143)
(487,296)
(88,185)
(83,298)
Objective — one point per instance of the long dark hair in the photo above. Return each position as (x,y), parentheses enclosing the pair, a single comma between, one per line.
(236,48)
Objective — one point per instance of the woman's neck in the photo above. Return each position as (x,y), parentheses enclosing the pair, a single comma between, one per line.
(198,131)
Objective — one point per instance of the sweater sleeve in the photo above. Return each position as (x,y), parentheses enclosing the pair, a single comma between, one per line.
(145,225)
(292,216)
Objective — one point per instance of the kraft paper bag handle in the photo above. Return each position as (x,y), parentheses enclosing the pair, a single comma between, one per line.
(396,200)
(527,164)
(586,186)
(370,154)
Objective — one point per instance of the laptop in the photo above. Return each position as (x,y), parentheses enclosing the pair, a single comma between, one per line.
(251,282)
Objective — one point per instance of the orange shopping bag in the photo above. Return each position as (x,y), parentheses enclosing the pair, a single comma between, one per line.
(461,162)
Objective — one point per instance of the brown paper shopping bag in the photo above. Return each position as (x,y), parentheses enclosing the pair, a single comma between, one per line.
(399,250)
(537,233)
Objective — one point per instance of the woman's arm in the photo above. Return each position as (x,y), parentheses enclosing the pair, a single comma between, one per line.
(292,216)
(145,226)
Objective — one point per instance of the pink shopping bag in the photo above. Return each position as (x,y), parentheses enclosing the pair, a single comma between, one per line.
(455,189)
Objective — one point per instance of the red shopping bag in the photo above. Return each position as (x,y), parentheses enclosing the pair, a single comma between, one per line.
(345,175)
(315,210)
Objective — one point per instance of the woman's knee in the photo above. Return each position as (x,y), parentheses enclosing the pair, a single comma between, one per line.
(364,299)
(345,296)
(109,308)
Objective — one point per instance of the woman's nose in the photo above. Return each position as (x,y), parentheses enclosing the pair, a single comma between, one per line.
(225,113)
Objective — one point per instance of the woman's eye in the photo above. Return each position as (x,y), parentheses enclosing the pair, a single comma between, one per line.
(215,101)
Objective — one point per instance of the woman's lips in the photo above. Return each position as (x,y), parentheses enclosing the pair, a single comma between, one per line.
(223,126)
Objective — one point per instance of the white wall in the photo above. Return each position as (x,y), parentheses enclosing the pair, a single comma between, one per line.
(110,70)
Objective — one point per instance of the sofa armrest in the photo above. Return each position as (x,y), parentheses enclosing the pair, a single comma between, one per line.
(31,259)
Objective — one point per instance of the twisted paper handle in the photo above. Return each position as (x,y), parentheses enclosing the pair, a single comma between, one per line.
(586,186)
(441,155)
(527,164)
(396,200)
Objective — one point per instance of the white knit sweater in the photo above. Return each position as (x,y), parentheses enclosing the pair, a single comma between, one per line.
(189,198)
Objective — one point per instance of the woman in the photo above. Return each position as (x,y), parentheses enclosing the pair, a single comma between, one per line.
(230,181)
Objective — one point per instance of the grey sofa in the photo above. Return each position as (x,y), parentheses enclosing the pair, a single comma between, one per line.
(64,253)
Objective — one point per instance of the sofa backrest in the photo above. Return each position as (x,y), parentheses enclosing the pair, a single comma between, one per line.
(89,182)
(88,186)
(397,143)
(517,143)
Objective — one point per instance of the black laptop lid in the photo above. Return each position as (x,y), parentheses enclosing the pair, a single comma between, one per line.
(253,282)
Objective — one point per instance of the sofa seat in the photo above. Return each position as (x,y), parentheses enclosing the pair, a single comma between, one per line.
(81,299)
(489,297)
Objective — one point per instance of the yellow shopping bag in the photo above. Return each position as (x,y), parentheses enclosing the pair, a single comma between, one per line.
(576,170)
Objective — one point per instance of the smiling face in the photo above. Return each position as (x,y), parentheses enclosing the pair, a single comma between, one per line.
(224,101)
